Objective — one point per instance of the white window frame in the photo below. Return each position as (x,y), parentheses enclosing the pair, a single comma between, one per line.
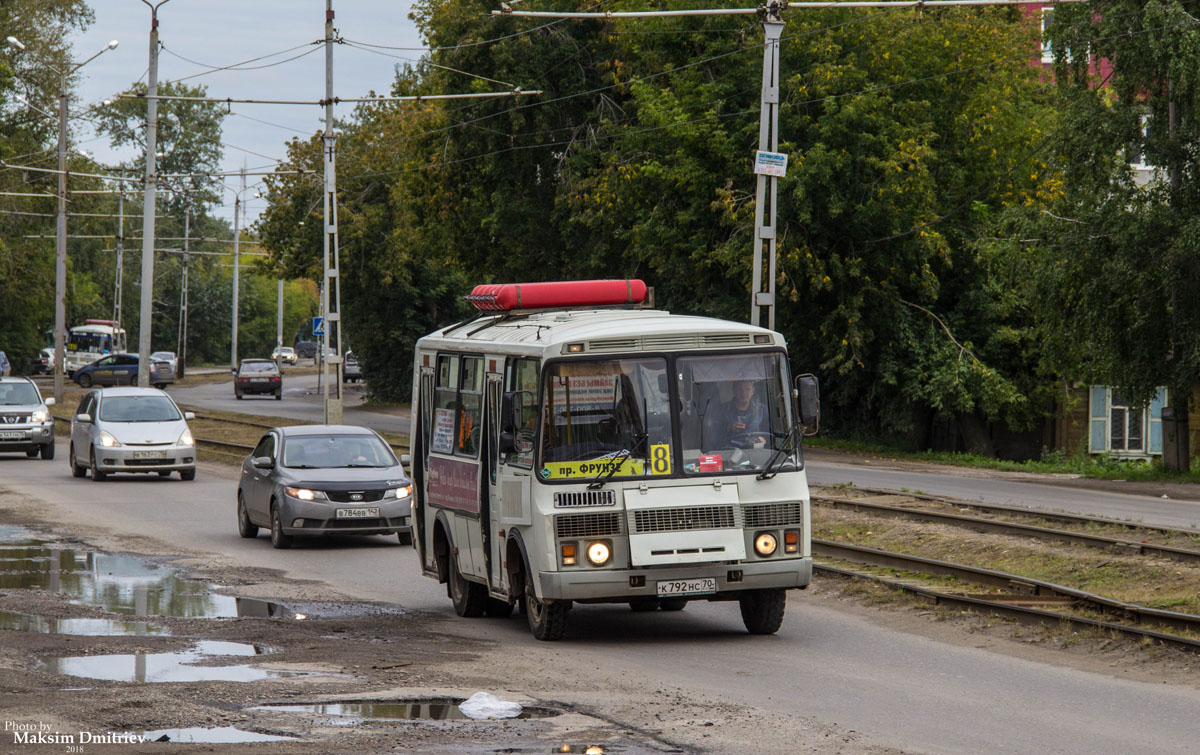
(1100,407)
(1047,19)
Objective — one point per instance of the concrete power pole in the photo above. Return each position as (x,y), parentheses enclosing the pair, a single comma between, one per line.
(331,298)
(181,340)
(762,292)
(119,278)
(147,308)
(237,203)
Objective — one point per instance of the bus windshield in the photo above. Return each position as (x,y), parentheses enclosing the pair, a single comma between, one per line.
(606,416)
(734,413)
(93,343)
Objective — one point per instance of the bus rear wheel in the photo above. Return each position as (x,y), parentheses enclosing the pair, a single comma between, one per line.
(469,598)
(762,610)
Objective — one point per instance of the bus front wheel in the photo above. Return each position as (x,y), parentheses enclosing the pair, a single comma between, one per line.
(762,610)
(547,618)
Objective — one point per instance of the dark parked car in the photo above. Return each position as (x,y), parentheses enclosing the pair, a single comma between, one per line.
(321,480)
(306,349)
(122,369)
(257,376)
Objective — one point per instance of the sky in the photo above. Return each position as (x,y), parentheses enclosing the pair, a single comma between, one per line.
(214,33)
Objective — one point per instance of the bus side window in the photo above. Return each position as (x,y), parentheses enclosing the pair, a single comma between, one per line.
(445,405)
(523,376)
(470,419)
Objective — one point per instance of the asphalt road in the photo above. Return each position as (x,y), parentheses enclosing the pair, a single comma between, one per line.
(834,666)
(300,401)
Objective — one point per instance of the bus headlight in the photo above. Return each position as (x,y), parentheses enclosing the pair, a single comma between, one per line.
(765,543)
(599,553)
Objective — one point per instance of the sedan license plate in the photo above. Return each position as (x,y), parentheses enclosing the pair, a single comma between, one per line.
(702,586)
(10,435)
(259,380)
(357,513)
(149,454)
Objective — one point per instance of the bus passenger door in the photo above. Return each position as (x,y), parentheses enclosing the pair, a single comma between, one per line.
(419,445)
(490,515)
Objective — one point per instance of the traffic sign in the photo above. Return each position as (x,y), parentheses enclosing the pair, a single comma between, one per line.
(318,326)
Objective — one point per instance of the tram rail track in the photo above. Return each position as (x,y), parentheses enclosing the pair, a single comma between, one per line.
(1021,596)
(980,524)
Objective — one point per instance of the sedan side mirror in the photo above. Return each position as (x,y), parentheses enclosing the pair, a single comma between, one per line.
(189,416)
(83,418)
(263,462)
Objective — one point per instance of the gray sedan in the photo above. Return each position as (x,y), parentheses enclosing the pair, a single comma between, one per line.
(131,430)
(320,480)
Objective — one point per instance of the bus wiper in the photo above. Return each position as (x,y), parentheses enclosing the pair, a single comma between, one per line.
(603,477)
(780,454)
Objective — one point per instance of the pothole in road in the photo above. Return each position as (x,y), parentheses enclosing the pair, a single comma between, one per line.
(24,622)
(120,584)
(218,735)
(355,712)
(169,667)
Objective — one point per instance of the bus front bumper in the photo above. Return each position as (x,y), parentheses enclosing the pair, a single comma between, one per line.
(615,585)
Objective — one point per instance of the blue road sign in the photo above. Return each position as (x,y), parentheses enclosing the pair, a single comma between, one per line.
(318,326)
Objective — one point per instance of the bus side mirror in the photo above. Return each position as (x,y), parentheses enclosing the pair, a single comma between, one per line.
(808,402)
(512,409)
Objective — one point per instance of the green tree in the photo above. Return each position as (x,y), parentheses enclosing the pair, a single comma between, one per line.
(1111,266)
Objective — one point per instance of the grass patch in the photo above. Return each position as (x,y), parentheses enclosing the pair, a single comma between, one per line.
(1102,467)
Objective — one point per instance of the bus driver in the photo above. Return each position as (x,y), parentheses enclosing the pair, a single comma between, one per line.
(744,418)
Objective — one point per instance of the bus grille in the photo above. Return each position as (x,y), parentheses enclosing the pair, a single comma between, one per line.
(585,498)
(774,514)
(684,518)
(588,525)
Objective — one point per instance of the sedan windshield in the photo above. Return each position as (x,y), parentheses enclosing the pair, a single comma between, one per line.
(332,451)
(138,409)
(734,413)
(17,394)
(603,418)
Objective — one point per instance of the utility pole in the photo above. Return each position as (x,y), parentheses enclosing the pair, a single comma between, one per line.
(237,203)
(331,297)
(181,341)
(60,250)
(151,195)
(279,327)
(119,277)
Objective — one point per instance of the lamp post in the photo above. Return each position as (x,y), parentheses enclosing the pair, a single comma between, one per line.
(60,246)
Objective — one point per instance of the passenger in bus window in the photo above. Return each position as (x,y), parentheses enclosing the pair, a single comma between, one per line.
(744,418)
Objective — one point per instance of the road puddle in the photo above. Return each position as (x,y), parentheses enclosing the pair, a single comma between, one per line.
(169,667)
(24,622)
(119,584)
(423,710)
(218,735)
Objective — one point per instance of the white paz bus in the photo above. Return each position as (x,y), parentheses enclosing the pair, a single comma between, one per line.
(572,446)
(88,342)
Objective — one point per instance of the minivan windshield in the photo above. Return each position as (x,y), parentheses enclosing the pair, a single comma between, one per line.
(605,417)
(138,409)
(331,451)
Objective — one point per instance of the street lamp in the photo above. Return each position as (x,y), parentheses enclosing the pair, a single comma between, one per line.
(60,251)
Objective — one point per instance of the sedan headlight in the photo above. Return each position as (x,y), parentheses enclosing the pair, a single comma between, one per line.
(402,492)
(41,415)
(107,440)
(185,438)
(304,494)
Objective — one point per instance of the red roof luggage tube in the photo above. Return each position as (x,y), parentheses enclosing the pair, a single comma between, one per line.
(503,297)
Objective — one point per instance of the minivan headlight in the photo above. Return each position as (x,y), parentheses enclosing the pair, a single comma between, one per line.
(185,438)
(304,494)
(401,492)
(107,440)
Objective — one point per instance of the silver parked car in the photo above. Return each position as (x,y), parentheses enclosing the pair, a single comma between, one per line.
(322,480)
(25,421)
(168,357)
(131,430)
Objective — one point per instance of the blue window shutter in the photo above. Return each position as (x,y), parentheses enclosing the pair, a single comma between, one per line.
(1155,430)
(1098,424)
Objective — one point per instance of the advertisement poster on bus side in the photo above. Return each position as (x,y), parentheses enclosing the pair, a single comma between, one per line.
(454,484)
(443,431)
